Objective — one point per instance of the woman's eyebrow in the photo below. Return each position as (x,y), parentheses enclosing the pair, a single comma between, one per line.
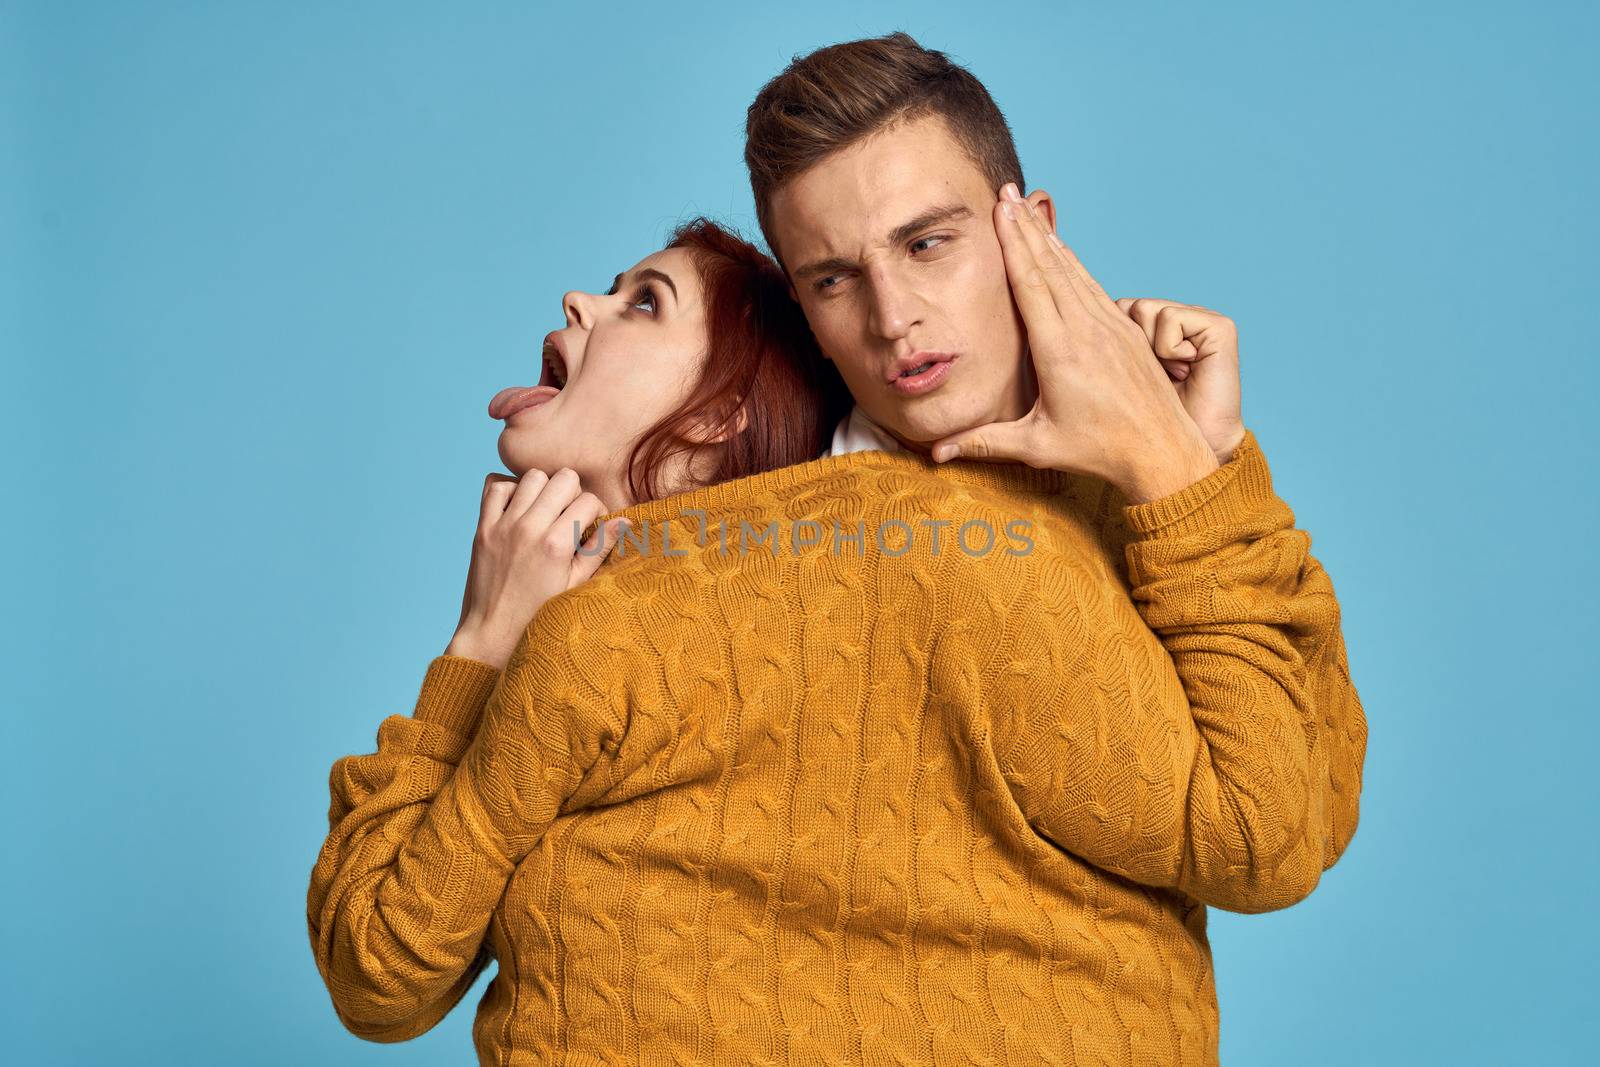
(648,272)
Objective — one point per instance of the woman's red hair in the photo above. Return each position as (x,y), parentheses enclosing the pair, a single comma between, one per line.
(761,358)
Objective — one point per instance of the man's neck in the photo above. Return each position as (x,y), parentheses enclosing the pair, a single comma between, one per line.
(910,446)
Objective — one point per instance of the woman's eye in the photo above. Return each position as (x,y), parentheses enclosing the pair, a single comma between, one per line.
(646,294)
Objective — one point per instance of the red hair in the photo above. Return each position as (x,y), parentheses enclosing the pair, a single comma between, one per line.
(761,358)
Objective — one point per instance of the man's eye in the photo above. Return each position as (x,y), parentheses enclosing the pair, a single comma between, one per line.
(828,282)
(924,240)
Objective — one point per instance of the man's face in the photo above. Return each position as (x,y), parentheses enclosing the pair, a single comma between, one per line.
(892,253)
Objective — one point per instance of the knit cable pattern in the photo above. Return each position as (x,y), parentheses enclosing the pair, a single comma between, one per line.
(901,804)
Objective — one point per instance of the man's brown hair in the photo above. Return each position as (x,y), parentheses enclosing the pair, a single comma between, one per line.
(840,94)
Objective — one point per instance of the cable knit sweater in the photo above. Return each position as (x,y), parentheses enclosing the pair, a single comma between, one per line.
(897,804)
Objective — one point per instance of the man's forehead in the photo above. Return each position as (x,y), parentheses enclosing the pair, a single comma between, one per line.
(854,201)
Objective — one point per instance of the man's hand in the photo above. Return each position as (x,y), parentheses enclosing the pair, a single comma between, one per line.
(1105,407)
(1199,348)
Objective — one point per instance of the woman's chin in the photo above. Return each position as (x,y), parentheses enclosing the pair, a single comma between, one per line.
(523,449)
(520,450)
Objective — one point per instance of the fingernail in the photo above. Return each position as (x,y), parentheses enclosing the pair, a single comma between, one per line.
(1010,191)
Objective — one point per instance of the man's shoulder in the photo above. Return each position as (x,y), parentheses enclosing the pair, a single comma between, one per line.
(896,509)
(859,485)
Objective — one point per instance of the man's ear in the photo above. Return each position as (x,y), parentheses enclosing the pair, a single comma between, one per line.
(1045,206)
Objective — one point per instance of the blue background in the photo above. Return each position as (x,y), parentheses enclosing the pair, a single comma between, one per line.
(264,265)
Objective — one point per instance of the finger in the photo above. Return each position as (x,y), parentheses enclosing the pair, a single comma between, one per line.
(577,517)
(497,490)
(995,442)
(559,492)
(1177,370)
(595,552)
(1077,273)
(1069,305)
(1167,325)
(495,476)
(1141,311)
(1169,339)
(1029,289)
(526,491)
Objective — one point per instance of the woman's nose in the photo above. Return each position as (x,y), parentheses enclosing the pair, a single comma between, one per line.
(577,308)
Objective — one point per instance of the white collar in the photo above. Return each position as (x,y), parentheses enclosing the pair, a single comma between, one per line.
(856,433)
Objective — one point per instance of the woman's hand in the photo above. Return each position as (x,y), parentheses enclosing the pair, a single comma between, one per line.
(524,553)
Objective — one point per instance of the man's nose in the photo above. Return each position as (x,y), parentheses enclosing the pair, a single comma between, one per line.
(892,310)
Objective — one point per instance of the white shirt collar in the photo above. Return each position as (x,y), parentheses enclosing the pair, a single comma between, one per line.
(856,433)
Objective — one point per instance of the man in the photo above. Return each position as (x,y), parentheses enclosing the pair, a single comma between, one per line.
(963,326)
(875,166)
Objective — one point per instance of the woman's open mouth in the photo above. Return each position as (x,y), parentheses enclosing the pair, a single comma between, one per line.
(515,398)
(555,367)
(507,402)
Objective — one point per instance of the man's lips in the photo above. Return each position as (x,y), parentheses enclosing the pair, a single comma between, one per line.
(904,364)
(514,398)
(920,372)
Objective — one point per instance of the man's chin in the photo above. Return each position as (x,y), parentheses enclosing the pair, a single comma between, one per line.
(921,430)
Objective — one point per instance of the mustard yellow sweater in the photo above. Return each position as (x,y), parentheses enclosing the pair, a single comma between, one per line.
(887,804)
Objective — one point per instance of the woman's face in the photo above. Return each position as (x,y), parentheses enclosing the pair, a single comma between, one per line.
(626,359)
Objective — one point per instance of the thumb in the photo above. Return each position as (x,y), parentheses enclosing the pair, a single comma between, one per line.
(996,442)
(587,561)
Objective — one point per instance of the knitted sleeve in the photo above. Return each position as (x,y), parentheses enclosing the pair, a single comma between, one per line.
(416,756)
(425,834)
(1239,514)
(1209,739)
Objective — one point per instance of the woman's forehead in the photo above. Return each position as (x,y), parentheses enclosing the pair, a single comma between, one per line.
(673,261)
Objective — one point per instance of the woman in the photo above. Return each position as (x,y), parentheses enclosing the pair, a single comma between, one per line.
(802,801)
(694,368)
(647,391)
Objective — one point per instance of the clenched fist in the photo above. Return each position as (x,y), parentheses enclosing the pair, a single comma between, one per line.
(1199,348)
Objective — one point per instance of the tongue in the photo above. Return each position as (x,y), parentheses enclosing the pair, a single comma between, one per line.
(503,397)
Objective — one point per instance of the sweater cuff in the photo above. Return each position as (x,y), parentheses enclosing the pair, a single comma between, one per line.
(1227,494)
(454,692)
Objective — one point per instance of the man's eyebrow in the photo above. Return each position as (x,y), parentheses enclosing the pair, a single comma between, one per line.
(954,212)
(648,272)
(931,217)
